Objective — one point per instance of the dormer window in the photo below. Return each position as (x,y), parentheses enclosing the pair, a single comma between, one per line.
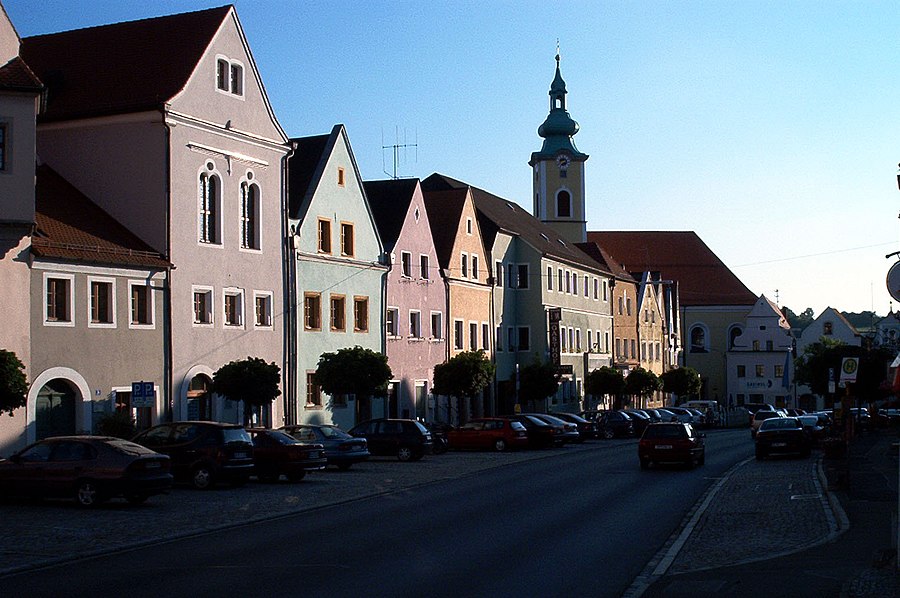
(827,328)
(229,76)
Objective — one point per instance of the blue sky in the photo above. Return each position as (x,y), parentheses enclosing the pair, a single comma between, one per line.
(769,128)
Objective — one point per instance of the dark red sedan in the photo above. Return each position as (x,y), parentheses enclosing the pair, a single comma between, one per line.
(277,453)
(672,442)
(488,433)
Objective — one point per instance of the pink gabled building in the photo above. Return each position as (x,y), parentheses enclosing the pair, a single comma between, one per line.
(415,297)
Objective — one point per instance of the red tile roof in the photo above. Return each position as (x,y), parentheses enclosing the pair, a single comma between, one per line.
(703,279)
(120,68)
(16,76)
(72,228)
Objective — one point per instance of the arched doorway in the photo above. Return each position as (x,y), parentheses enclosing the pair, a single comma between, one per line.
(54,409)
(199,399)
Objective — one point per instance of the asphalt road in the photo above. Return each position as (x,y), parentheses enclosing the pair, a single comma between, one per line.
(578,523)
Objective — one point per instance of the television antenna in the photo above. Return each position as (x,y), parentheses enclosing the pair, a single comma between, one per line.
(398,151)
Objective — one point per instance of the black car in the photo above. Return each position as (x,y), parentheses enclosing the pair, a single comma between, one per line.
(639,420)
(673,442)
(341,449)
(615,424)
(563,431)
(203,452)
(277,453)
(540,433)
(408,439)
(782,435)
(586,428)
(90,469)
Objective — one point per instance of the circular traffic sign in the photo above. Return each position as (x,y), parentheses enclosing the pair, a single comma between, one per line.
(893,281)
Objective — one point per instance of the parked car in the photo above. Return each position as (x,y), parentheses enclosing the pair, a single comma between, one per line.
(341,449)
(615,424)
(861,417)
(563,431)
(759,417)
(782,435)
(683,415)
(639,420)
(665,415)
(277,453)
(816,427)
(540,433)
(89,469)
(586,428)
(795,412)
(408,439)
(752,408)
(494,433)
(673,442)
(202,452)
(655,416)
(699,417)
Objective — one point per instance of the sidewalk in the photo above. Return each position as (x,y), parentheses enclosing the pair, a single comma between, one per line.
(793,527)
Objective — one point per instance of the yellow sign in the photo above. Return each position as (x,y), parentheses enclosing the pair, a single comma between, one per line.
(849,367)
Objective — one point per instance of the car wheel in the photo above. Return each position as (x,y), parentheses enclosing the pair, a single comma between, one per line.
(499,445)
(87,493)
(136,499)
(405,453)
(202,478)
(609,433)
(296,476)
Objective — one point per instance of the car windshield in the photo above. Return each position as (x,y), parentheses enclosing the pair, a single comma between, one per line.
(333,432)
(422,428)
(780,423)
(235,435)
(536,421)
(809,420)
(281,437)
(127,447)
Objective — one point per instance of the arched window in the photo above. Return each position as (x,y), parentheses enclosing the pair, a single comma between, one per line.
(249,215)
(733,333)
(563,204)
(698,340)
(210,206)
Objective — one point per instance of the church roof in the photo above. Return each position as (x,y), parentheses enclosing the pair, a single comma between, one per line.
(703,279)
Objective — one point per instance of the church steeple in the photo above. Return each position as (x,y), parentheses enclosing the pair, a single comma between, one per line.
(559,168)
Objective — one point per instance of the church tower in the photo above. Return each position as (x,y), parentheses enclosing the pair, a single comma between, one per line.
(559,169)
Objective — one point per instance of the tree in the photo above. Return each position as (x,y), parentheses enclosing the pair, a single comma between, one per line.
(605,381)
(463,376)
(641,383)
(683,382)
(251,380)
(356,371)
(537,381)
(801,321)
(13,384)
(812,368)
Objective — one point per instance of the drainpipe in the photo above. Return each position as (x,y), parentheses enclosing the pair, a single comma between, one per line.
(168,359)
(288,295)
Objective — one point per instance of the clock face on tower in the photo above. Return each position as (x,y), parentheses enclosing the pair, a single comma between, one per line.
(562,161)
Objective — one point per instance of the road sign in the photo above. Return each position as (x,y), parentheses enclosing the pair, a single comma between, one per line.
(143,394)
(893,281)
(849,367)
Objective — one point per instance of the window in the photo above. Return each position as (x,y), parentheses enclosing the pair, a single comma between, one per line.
(229,76)
(511,338)
(423,267)
(627,305)
(572,340)
(779,371)
(249,215)
(338,313)
(563,204)
(406,264)
(360,314)
(475,267)
(522,280)
(59,301)
(468,226)
(341,179)
(485,336)
(203,306)
(324,235)
(827,328)
(605,290)
(263,310)
(633,349)
(347,244)
(210,202)
(574,283)
(619,348)
(313,392)
(756,345)
(458,334)
(586,287)
(498,270)
(549,278)
(437,325)
(563,340)
(102,302)
(312,311)
(464,265)
(498,339)
(760,371)
(578,340)
(621,302)
(141,304)
(524,340)
(596,289)
(473,336)
(590,345)
(4,153)
(741,371)
(415,324)
(770,346)
(234,308)
(391,321)
(733,333)
(559,280)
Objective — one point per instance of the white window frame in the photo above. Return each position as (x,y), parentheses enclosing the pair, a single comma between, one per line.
(269,298)
(550,278)
(473,336)
(249,181)
(151,305)
(239,294)
(474,265)
(395,312)
(563,339)
(459,333)
(229,87)
(405,259)
(464,265)
(210,170)
(485,336)
(424,266)
(112,301)
(437,332)
(415,332)
(210,308)
(70,299)
(469,226)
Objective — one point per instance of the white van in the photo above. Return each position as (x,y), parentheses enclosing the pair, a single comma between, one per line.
(702,405)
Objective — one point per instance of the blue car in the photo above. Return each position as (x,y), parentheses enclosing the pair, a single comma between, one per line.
(341,449)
